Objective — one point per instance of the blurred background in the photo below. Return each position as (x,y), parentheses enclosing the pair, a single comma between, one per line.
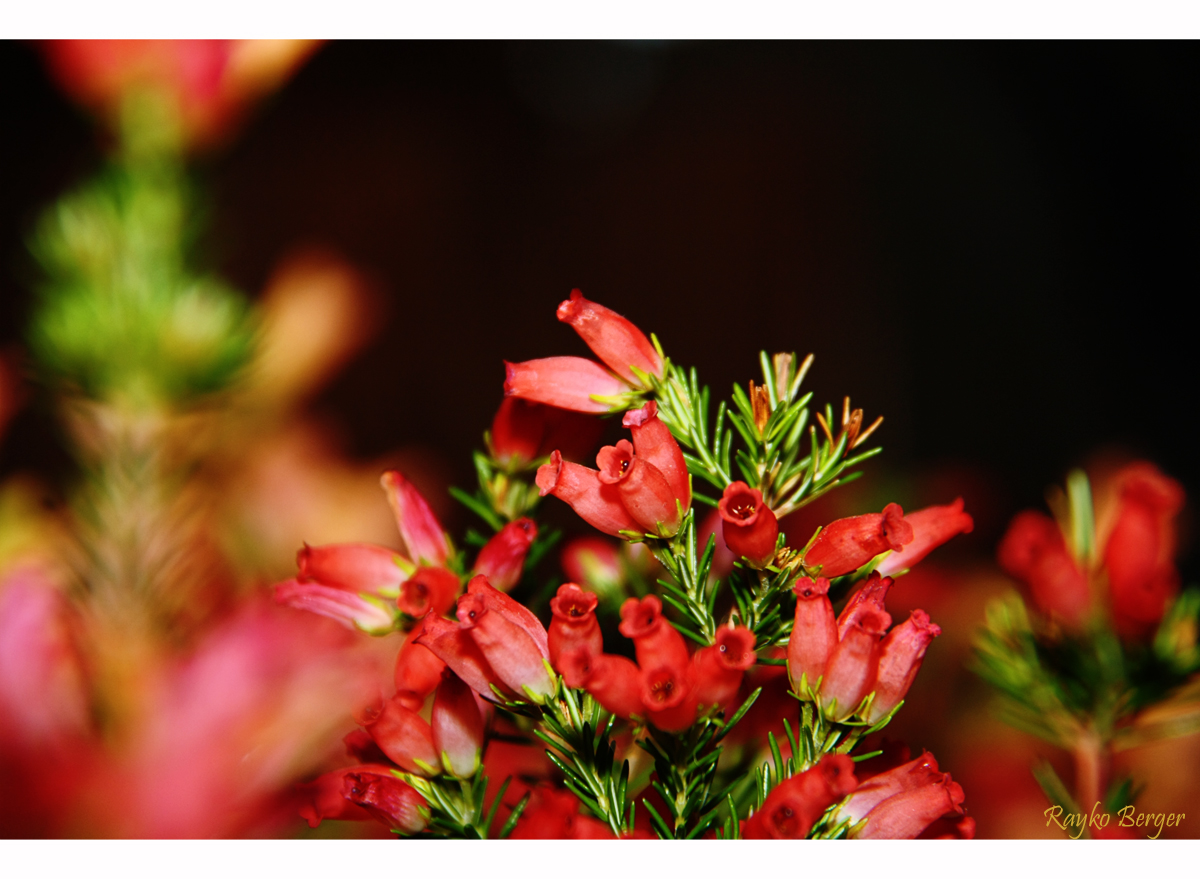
(990,244)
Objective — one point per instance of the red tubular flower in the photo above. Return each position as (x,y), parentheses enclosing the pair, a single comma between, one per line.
(1034,552)
(574,383)
(900,657)
(614,681)
(850,672)
(457,727)
(749,526)
(595,563)
(424,537)
(848,544)
(418,671)
(716,671)
(405,737)
(595,502)
(906,777)
(796,804)
(388,799)
(514,657)
(357,567)
(907,814)
(574,625)
(814,633)
(524,431)
(1139,552)
(367,614)
(669,699)
(643,489)
(657,642)
(503,557)
(654,443)
(869,597)
(455,647)
(512,610)
(613,338)
(324,797)
(429,590)
(931,527)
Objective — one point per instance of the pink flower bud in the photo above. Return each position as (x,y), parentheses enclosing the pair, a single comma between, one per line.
(367,614)
(596,503)
(356,567)
(429,590)
(848,544)
(654,443)
(457,727)
(643,489)
(612,338)
(900,657)
(418,671)
(657,642)
(503,557)
(574,625)
(869,597)
(850,672)
(749,527)
(1033,551)
(931,527)
(614,681)
(814,632)
(796,804)
(423,535)
(405,738)
(566,382)
(716,671)
(515,659)
(668,697)
(388,799)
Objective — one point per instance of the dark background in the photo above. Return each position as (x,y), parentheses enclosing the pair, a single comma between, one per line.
(991,244)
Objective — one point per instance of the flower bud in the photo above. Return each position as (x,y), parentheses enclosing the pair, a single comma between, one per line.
(503,557)
(931,527)
(814,633)
(612,338)
(749,527)
(457,727)
(388,799)
(517,430)
(594,563)
(848,544)
(574,624)
(900,657)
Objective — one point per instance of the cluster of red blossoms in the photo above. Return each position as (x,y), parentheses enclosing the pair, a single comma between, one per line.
(471,648)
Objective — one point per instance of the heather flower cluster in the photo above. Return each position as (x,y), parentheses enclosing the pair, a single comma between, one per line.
(604,713)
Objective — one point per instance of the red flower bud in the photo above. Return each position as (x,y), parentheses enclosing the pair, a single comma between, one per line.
(850,672)
(418,671)
(1139,553)
(869,597)
(503,557)
(932,527)
(643,489)
(906,777)
(848,544)
(614,681)
(429,590)
(796,804)
(574,625)
(814,633)
(367,614)
(565,382)
(514,657)
(612,338)
(749,526)
(657,642)
(324,797)
(457,727)
(405,738)
(388,799)
(455,647)
(671,705)
(654,443)
(1034,552)
(424,537)
(356,567)
(716,671)
(596,503)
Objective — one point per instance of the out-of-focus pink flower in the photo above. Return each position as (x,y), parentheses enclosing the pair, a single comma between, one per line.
(524,431)
(595,502)
(931,527)
(814,633)
(796,804)
(848,544)
(423,535)
(1139,554)
(388,799)
(503,557)
(717,670)
(573,625)
(363,612)
(1033,551)
(900,657)
(458,727)
(749,526)
(851,669)
(594,563)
